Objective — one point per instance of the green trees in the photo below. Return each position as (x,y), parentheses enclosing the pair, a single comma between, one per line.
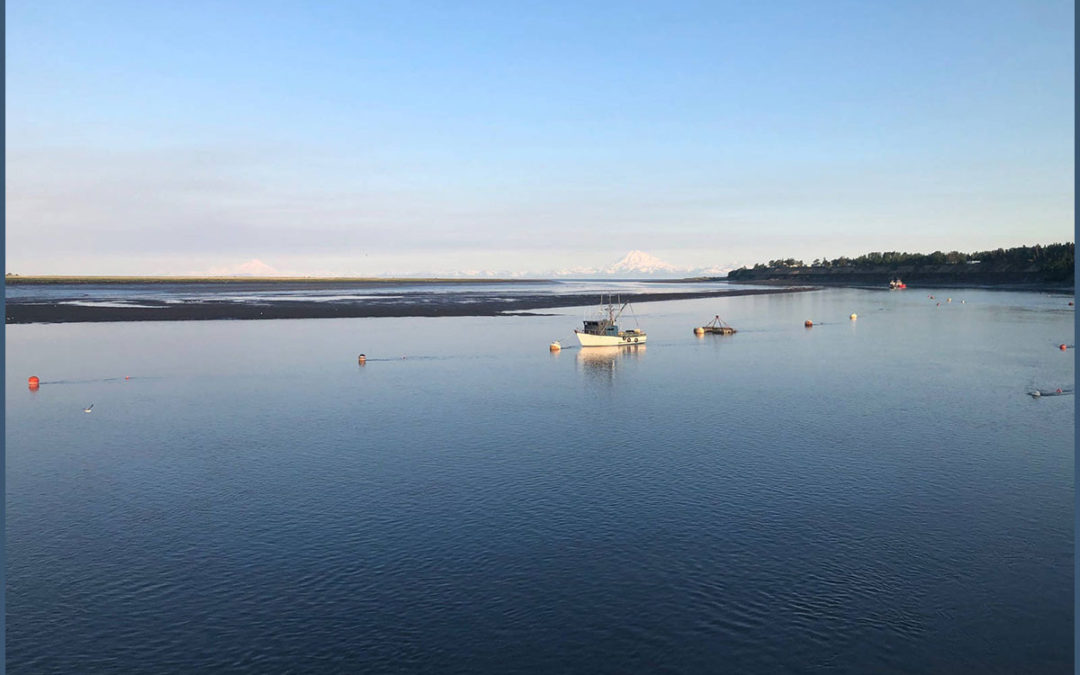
(789,262)
(1056,256)
(1053,262)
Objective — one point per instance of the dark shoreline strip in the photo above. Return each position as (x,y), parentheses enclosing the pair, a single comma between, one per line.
(210,310)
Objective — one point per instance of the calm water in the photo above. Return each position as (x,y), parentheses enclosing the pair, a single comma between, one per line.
(868,496)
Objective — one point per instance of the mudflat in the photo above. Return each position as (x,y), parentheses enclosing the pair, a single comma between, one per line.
(74,309)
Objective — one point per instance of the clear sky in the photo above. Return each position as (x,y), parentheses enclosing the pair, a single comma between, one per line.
(178,137)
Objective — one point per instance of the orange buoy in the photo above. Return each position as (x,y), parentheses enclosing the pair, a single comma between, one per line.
(33,382)
(1062,347)
(808,323)
(555,346)
(700,330)
(361,359)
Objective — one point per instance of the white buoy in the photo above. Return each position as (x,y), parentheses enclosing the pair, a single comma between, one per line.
(854,316)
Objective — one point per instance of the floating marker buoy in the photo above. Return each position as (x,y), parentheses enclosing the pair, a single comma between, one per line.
(854,316)
(699,330)
(127,377)
(555,346)
(1071,303)
(1059,390)
(808,323)
(938,305)
(1036,394)
(963,302)
(33,382)
(931,297)
(948,299)
(361,359)
(1063,347)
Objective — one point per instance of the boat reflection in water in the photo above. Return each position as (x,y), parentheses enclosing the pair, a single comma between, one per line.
(601,362)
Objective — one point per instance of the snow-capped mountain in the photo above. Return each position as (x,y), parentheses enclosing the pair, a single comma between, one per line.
(639,265)
(640,262)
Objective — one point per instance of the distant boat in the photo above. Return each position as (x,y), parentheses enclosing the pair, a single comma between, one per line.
(604,332)
(896,284)
(1039,393)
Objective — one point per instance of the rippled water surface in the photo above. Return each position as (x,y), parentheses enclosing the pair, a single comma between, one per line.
(871,496)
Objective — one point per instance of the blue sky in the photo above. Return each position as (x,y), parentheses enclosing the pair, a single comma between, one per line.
(395,138)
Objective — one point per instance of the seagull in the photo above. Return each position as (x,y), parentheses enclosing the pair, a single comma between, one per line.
(90,409)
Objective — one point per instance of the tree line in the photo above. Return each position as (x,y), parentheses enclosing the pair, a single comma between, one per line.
(1053,259)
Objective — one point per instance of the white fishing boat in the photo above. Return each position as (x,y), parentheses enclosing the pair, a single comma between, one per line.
(604,331)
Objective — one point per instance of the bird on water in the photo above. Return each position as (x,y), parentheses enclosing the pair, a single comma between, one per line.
(90,409)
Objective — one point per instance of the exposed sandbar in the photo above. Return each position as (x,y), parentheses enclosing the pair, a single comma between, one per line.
(57,311)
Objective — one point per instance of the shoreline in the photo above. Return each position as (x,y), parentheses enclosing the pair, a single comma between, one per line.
(1026,287)
(212,310)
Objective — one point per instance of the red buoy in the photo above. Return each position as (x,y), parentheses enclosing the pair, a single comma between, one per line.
(33,382)
(1059,390)
(1071,303)
(1062,347)
(809,323)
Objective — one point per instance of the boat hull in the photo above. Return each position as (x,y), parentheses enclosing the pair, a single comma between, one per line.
(625,340)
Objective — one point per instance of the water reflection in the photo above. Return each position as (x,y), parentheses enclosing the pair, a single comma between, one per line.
(600,362)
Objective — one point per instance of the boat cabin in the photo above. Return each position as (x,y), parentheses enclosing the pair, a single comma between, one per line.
(601,328)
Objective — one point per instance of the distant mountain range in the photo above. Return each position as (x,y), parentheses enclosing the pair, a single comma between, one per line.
(640,265)
(634,265)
